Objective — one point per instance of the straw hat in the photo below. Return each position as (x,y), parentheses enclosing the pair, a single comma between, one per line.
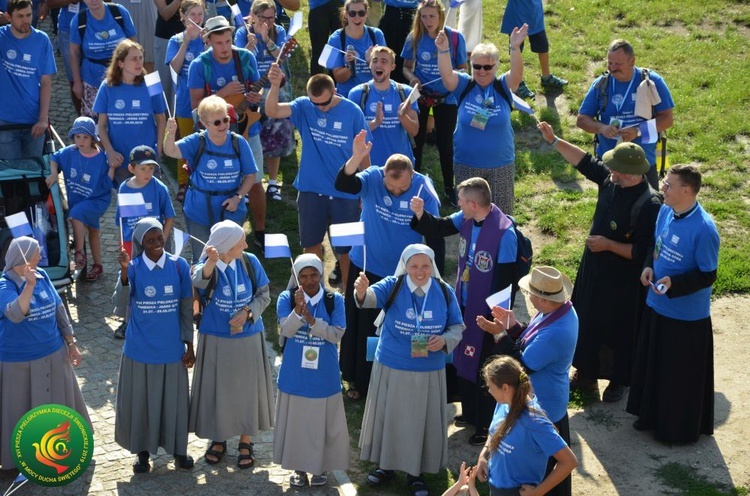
(548,283)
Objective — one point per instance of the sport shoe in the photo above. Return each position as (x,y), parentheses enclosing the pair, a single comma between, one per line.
(614,392)
(553,82)
(524,92)
(298,479)
(460,421)
(335,277)
(319,480)
(273,192)
(120,331)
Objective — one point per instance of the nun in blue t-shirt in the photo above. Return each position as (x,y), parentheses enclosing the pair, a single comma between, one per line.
(232,389)
(405,411)
(311,435)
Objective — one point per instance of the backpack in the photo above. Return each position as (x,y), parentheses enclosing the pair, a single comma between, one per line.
(400,282)
(370,31)
(498,85)
(114,9)
(329,302)
(401,93)
(202,147)
(205,299)
(601,98)
(241,62)
(524,251)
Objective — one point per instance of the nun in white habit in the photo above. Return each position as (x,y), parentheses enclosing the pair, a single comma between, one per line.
(404,425)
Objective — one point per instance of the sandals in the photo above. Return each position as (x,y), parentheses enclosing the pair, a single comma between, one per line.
(141,464)
(319,480)
(241,458)
(417,486)
(298,479)
(96,271)
(378,477)
(181,193)
(80,259)
(524,91)
(273,192)
(353,394)
(553,82)
(218,455)
(184,461)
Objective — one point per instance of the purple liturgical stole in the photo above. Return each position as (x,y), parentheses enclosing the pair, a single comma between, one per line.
(467,354)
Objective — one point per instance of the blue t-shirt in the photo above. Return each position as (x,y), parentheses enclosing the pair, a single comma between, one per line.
(507,251)
(622,94)
(684,245)
(426,63)
(130,116)
(85,177)
(522,455)
(390,136)
(386,219)
(234,290)
(549,354)
(317,3)
(307,382)
(194,49)
(518,12)
(154,333)
(402,4)
(261,53)
(221,74)
(411,315)
(66,14)
(99,43)
(158,204)
(492,146)
(362,72)
(37,335)
(219,170)
(24,62)
(326,143)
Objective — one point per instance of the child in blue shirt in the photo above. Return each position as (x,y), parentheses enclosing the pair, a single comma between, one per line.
(88,184)
(155,193)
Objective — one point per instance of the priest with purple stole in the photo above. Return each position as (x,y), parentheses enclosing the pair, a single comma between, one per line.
(487,254)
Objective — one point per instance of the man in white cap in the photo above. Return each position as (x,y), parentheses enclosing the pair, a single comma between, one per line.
(608,295)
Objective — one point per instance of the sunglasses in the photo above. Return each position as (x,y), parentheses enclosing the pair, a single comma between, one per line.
(486,67)
(218,122)
(355,13)
(323,104)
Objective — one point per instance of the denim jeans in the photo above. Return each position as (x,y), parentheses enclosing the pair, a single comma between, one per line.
(19,143)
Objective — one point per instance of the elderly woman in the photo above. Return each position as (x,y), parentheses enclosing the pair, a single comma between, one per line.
(153,401)
(311,433)
(483,141)
(232,390)
(223,170)
(545,346)
(405,415)
(37,347)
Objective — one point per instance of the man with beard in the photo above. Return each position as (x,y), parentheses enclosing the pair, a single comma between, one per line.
(608,296)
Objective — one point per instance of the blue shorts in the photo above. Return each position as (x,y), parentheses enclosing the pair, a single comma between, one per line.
(316,212)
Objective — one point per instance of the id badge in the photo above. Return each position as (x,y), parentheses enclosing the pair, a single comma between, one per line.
(480,120)
(310,357)
(465,275)
(419,345)
(73,8)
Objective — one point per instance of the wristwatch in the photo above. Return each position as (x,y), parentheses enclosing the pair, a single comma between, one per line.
(249,312)
(271,46)
(71,343)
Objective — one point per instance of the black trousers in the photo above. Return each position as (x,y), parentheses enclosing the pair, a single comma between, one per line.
(396,25)
(565,488)
(445,123)
(322,21)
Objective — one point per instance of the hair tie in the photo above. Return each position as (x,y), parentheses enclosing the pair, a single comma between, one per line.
(523,378)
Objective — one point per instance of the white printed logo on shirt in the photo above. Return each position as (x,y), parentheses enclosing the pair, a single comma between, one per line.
(136,104)
(149,206)
(403,205)
(11,54)
(322,122)
(388,107)
(425,56)
(387,200)
(189,56)
(373,106)
(119,104)
(150,291)
(410,314)
(113,32)
(226,291)
(228,162)
(221,82)
(86,178)
(211,164)
(73,173)
(675,239)
(337,125)
(240,288)
(27,57)
(168,289)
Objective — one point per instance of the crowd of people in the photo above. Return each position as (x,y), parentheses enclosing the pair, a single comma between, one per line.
(638,314)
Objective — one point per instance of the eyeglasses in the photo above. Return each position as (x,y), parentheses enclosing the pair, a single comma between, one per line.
(670,186)
(323,104)
(355,13)
(218,122)
(486,67)
(266,18)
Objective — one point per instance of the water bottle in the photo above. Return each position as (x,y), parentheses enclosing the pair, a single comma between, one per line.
(353,63)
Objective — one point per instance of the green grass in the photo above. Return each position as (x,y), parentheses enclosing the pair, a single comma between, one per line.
(686,482)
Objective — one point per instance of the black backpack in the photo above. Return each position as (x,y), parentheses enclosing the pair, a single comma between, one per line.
(401,93)
(329,302)
(400,282)
(203,300)
(114,9)
(370,31)
(498,85)
(524,251)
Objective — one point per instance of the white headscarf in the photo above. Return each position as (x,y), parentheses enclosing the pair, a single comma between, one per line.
(301,262)
(416,249)
(224,235)
(19,252)
(141,228)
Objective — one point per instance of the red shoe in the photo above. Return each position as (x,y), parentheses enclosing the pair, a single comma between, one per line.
(80,259)
(96,271)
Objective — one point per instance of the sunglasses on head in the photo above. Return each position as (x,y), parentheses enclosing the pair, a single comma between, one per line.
(486,67)
(355,13)
(218,122)
(323,104)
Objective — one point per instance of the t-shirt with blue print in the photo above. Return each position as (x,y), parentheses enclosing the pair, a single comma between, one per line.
(386,218)
(326,143)
(413,315)
(390,136)
(100,40)
(234,290)
(194,49)
(218,170)
(362,72)
(492,146)
(297,380)
(154,332)
(426,63)
(685,245)
(623,94)
(86,178)
(221,74)
(522,455)
(24,61)
(158,204)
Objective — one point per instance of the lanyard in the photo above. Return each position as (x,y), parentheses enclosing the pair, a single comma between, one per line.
(618,107)
(233,290)
(419,315)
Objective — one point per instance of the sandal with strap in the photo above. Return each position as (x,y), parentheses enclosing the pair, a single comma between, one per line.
(96,271)
(417,486)
(184,461)
(218,455)
(553,82)
(353,394)
(181,193)
(241,457)
(273,192)
(379,476)
(141,464)
(80,259)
